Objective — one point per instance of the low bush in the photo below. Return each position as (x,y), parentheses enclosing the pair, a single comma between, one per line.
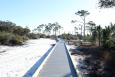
(33,36)
(11,39)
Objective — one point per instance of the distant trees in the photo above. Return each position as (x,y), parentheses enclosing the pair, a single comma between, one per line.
(56,28)
(40,27)
(49,28)
(92,30)
(11,34)
(91,26)
(83,14)
(76,30)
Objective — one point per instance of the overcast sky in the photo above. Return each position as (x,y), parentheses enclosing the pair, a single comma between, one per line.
(32,13)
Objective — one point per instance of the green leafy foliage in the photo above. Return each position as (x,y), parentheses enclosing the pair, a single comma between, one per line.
(11,34)
(33,36)
(108,36)
(105,37)
(11,39)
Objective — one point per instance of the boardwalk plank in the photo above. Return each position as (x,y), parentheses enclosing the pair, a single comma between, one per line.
(58,64)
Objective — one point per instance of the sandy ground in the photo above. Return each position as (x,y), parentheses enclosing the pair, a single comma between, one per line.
(17,60)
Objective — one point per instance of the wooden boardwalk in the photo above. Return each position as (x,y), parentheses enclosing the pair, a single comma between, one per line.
(58,64)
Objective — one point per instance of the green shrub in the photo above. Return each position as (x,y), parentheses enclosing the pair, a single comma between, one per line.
(17,40)
(5,37)
(33,36)
(68,36)
(25,38)
(42,35)
(11,39)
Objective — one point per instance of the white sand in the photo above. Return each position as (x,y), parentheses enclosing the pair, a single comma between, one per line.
(17,60)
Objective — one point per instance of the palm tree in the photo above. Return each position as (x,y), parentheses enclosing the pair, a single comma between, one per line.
(108,36)
(83,14)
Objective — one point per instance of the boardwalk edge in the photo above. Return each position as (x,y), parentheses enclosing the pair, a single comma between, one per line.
(74,63)
(35,69)
(36,74)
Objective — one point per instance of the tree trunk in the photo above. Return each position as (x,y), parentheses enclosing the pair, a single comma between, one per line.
(99,38)
(84,27)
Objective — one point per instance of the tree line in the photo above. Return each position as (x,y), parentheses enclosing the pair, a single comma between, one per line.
(11,34)
(10,27)
(49,28)
(104,37)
